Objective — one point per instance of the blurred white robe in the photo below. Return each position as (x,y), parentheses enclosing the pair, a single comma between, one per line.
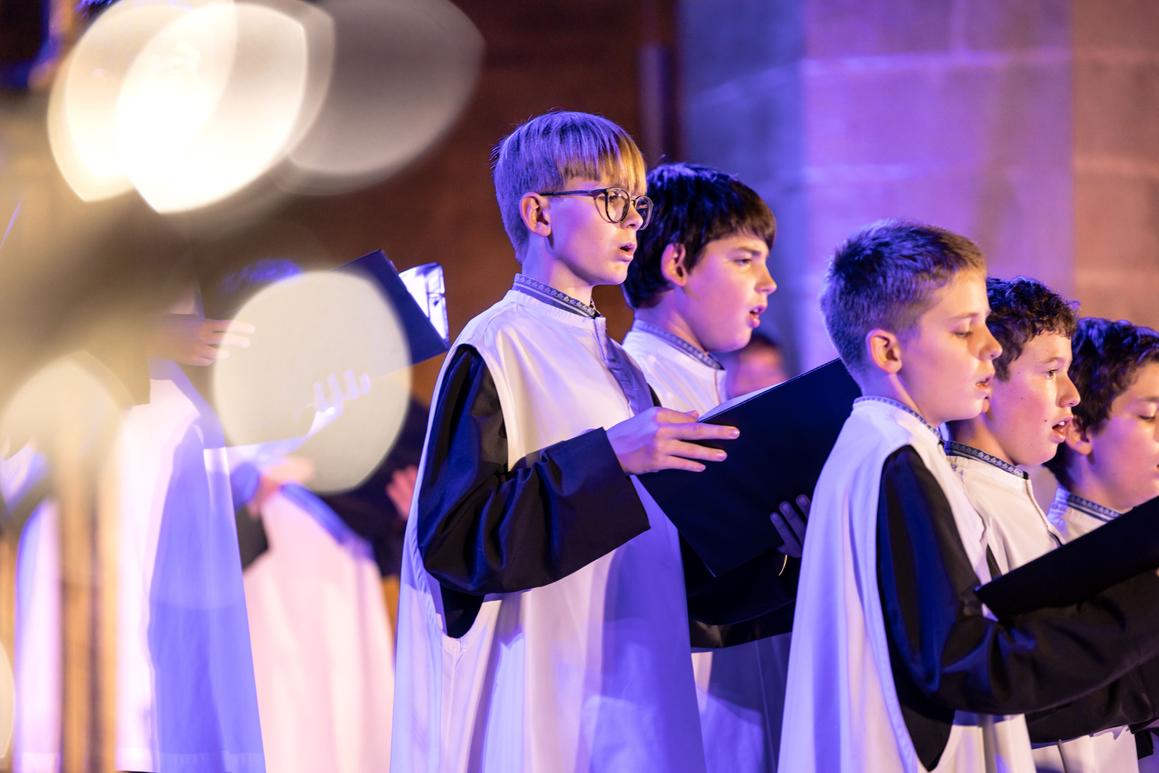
(186,701)
(323,655)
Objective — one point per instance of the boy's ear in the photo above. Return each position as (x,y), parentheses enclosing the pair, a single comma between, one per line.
(535,214)
(1078,440)
(884,350)
(672,265)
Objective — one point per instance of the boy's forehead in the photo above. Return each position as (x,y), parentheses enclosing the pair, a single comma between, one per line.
(1045,346)
(963,295)
(1144,387)
(739,240)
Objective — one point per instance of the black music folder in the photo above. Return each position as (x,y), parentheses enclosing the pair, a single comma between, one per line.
(786,434)
(1080,569)
(421,334)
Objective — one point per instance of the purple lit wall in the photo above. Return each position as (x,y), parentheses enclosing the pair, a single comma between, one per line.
(1030,125)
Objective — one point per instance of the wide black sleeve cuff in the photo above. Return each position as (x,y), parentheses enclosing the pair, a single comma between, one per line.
(1131,700)
(753,601)
(947,655)
(485,527)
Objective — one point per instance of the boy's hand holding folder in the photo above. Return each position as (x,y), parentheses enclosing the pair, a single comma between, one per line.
(664,439)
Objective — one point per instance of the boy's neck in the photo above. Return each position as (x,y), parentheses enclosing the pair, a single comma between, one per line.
(553,273)
(1086,484)
(875,383)
(665,316)
(976,434)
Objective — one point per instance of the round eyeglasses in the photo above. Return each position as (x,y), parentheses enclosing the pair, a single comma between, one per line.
(613,203)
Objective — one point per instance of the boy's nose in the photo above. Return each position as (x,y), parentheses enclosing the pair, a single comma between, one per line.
(766,284)
(991,349)
(633,220)
(1069,394)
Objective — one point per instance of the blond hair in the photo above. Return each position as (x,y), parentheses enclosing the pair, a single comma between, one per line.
(544,152)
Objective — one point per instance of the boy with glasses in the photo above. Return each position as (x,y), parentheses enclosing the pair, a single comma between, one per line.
(542,621)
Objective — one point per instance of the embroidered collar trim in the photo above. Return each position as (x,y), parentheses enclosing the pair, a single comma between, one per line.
(701,356)
(1093,509)
(954,448)
(903,407)
(550,295)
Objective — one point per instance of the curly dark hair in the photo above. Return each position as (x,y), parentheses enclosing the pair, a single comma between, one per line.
(1022,309)
(695,205)
(1107,359)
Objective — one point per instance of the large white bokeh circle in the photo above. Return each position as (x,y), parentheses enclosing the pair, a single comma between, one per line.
(211,103)
(308,329)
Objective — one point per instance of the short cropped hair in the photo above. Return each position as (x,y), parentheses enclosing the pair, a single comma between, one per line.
(1022,309)
(694,205)
(884,276)
(544,152)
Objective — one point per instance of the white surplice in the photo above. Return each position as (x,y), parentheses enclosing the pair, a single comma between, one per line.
(1003,496)
(186,700)
(843,712)
(1069,517)
(323,658)
(588,673)
(739,690)
(1073,516)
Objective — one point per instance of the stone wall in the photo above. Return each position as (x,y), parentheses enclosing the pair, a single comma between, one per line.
(1027,124)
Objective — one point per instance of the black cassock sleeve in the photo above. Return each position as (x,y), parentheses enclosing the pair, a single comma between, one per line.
(946,655)
(487,527)
(751,602)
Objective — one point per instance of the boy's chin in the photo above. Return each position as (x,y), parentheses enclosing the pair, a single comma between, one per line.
(965,410)
(724,344)
(614,274)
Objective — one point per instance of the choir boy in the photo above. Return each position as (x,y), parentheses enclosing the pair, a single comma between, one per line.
(1025,420)
(1110,461)
(542,621)
(894,662)
(699,284)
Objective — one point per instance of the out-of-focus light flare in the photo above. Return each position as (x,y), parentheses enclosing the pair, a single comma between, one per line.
(403,72)
(188,102)
(70,400)
(82,112)
(314,331)
(7,702)
(211,103)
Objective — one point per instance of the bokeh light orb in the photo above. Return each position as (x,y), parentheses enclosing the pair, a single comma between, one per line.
(73,399)
(7,702)
(312,332)
(82,112)
(212,101)
(403,73)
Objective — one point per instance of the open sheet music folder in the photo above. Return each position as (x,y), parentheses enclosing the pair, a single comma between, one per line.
(786,434)
(1080,569)
(426,337)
